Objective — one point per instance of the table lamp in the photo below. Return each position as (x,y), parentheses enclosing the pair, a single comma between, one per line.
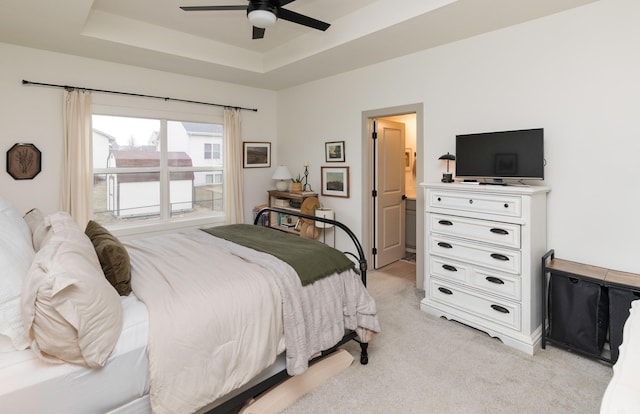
(326,213)
(283,176)
(447,177)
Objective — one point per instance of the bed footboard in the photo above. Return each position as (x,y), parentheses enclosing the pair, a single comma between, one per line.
(359,255)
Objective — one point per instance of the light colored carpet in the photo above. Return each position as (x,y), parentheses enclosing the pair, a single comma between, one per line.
(422,364)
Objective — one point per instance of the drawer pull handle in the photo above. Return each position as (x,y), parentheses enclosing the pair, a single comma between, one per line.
(470,201)
(506,205)
(439,199)
(495,280)
(445,223)
(445,291)
(498,231)
(445,245)
(449,268)
(499,308)
(498,256)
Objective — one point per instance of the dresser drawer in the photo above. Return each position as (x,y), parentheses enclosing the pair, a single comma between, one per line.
(499,311)
(497,258)
(502,284)
(490,281)
(480,203)
(450,269)
(504,234)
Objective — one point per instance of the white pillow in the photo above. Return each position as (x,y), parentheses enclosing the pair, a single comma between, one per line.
(70,310)
(40,229)
(16,254)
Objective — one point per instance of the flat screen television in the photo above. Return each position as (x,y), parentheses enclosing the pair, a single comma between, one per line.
(501,155)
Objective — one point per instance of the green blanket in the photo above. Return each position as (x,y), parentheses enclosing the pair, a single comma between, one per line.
(311,259)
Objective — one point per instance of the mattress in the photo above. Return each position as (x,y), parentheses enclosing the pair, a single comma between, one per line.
(28,385)
(623,392)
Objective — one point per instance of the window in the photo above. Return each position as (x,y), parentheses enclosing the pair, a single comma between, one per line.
(215,154)
(215,178)
(155,169)
(211,151)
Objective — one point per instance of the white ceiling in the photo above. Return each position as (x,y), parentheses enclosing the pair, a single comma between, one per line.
(217,45)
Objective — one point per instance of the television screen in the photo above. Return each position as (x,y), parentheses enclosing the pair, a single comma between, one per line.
(497,155)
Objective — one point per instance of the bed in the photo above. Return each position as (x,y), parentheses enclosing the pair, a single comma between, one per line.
(623,392)
(202,322)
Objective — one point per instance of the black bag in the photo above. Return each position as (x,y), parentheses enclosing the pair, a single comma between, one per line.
(578,313)
(620,303)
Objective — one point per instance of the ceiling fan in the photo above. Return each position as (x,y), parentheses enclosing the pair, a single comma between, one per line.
(264,13)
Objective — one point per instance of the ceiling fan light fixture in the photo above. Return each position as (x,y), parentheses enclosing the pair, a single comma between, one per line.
(261,18)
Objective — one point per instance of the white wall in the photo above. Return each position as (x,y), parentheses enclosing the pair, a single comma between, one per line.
(34,114)
(576,74)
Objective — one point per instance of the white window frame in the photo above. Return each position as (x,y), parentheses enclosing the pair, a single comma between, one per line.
(165,223)
(216,150)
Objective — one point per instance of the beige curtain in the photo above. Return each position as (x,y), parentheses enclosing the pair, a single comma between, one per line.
(233,187)
(77,174)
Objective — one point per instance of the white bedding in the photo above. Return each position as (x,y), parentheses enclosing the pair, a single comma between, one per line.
(622,395)
(29,385)
(192,364)
(176,363)
(194,356)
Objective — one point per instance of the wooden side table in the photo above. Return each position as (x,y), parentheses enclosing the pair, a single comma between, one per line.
(288,201)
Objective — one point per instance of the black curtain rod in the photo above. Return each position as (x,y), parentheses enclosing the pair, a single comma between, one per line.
(69,88)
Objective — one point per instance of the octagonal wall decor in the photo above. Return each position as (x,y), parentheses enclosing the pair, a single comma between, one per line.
(24,161)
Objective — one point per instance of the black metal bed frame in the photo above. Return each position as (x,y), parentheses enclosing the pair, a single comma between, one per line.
(279,377)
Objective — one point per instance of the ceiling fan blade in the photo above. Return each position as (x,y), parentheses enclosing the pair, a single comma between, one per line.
(258,33)
(208,8)
(298,18)
(285,2)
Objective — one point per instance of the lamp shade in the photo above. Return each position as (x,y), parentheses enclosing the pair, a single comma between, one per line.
(324,213)
(281,173)
(448,157)
(261,18)
(447,177)
(283,176)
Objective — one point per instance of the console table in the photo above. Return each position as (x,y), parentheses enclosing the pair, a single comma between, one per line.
(582,303)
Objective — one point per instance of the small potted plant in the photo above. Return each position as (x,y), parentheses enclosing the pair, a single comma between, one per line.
(296,184)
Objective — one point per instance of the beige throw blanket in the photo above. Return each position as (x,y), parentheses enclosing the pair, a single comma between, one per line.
(315,316)
(218,312)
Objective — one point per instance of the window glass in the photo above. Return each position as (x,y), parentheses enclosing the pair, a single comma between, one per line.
(140,162)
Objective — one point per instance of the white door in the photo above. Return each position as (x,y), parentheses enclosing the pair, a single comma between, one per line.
(390,195)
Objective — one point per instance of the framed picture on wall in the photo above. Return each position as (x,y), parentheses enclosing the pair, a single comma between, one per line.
(335,181)
(256,154)
(24,161)
(334,151)
(408,159)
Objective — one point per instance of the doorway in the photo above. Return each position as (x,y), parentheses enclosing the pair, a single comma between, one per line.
(380,218)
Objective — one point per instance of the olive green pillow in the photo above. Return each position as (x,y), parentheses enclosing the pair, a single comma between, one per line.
(113,257)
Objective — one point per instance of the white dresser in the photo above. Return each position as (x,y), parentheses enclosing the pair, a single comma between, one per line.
(483,246)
